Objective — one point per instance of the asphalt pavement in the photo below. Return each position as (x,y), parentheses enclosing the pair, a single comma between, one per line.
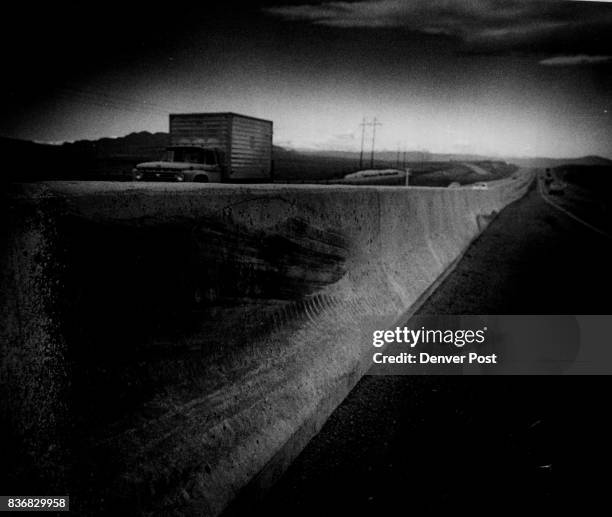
(431,445)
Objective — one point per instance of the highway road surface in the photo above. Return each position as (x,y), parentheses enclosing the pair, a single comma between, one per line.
(427,445)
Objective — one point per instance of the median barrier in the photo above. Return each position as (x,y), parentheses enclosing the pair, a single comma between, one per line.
(169,349)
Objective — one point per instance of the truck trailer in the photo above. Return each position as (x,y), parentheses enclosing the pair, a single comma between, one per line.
(213,147)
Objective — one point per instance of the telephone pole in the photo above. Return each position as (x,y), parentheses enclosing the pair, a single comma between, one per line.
(373,124)
(363,126)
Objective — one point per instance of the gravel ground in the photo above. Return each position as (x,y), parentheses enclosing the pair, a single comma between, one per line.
(428,445)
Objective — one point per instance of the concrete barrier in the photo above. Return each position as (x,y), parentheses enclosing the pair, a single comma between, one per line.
(169,349)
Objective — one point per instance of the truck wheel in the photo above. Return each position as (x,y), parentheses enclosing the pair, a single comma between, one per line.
(200,179)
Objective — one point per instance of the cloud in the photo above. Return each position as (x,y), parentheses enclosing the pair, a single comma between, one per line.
(478,25)
(432,16)
(580,59)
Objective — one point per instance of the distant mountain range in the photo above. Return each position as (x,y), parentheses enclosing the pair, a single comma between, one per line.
(134,144)
(557,162)
(114,157)
(391,156)
(145,143)
(423,156)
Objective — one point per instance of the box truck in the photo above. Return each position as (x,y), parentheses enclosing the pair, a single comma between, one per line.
(213,147)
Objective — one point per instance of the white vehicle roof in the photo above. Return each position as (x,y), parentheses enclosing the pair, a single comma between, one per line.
(373,172)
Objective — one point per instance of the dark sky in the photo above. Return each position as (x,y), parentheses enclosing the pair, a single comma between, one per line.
(515,77)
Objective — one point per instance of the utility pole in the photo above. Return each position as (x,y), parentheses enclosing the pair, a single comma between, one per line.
(373,124)
(397,160)
(404,161)
(363,126)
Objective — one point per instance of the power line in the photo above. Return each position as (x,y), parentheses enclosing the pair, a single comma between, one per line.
(374,124)
(105,104)
(121,99)
(363,126)
(112,101)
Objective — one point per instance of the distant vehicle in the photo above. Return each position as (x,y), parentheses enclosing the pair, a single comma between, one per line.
(454,184)
(480,185)
(556,188)
(548,177)
(213,147)
(370,173)
(377,177)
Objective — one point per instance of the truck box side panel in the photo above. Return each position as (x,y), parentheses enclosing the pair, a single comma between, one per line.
(200,129)
(251,148)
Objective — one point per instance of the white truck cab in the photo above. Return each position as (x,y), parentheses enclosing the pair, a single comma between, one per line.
(183,163)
